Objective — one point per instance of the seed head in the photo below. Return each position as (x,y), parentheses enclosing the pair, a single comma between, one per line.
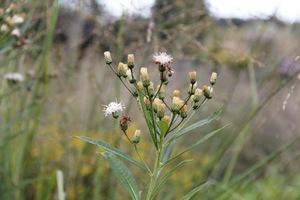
(162,58)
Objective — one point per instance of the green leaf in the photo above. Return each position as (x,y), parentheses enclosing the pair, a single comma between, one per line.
(123,174)
(147,117)
(111,149)
(166,154)
(197,124)
(162,181)
(163,127)
(206,137)
(194,191)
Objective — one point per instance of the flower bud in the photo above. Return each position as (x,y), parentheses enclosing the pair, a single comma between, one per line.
(193,77)
(164,78)
(161,92)
(160,110)
(166,119)
(3,28)
(213,78)
(130,76)
(155,104)
(16,32)
(140,85)
(175,104)
(130,60)
(147,103)
(207,91)
(122,70)
(176,93)
(136,136)
(107,57)
(145,78)
(198,93)
(183,109)
(151,89)
(192,88)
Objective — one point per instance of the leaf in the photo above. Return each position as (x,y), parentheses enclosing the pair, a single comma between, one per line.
(211,118)
(147,117)
(206,137)
(111,149)
(166,154)
(194,191)
(123,174)
(163,127)
(162,181)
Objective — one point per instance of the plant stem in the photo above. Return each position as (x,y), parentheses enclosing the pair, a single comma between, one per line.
(155,171)
(138,153)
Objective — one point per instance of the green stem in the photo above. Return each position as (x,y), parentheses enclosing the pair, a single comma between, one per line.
(138,153)
(155,171)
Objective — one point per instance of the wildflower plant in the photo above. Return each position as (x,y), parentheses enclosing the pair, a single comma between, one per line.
(166,123)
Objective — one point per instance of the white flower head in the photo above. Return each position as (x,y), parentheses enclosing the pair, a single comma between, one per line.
(162,58)
(17,77)
(113,107)
(18,19)
(16,32)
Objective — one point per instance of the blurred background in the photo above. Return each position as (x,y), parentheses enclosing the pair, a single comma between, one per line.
(253,47)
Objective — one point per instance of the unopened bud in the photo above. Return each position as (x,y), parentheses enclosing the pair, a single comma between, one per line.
(161,92)
(213,78)
(155,104)
(164,78)
(207,91)
(107,57)
(145,78)
(160,110)
(122,70)
(192,88)
(193,77)
(130,76)
(140,85)
(147,103)
(166,119)
(4,28)
(176,93)
(136,136)
(130,59)
(175,104)
(151,89)
(183,109)
(198,93)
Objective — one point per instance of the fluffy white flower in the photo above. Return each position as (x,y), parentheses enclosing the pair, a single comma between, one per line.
(162,58)
(113,107)
(14,77)
(16,32)
(17,19)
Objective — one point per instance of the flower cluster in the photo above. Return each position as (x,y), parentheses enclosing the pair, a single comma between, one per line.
(11,23)
(154,100)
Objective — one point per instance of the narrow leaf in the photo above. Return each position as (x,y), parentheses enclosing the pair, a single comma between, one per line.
(111,149)
(194,191)
(162,181)
(206,137)
(123,174)
(211,118)
(166,154)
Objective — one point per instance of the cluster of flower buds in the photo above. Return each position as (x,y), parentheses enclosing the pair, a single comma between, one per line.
(10,24)
(154,100)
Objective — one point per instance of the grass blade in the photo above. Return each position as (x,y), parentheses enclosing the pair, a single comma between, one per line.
(112,149)
(123,174)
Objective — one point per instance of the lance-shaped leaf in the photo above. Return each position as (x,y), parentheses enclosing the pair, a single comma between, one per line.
(114,150)
(123,174)
(189,195)
(211,118)
(165,155)
(162,181)
(206,137)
